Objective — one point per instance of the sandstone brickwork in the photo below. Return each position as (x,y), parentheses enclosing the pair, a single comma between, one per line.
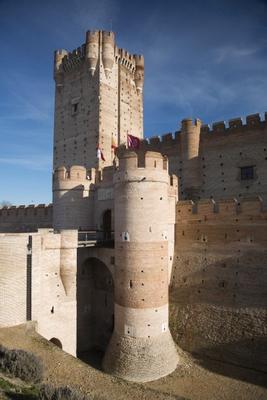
(35,277)
(187,210)
(99,100)
(218,283)
(141,331)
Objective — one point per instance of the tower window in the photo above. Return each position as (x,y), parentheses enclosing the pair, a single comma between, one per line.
(74,108)
(247,173)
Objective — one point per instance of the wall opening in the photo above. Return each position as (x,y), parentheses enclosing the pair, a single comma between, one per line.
(95,310)
(56,342)
(106,222)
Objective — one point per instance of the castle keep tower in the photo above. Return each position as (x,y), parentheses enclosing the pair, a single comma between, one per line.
(141,348)
(98,100)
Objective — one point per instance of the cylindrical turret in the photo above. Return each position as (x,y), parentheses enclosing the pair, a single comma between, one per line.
(139,72)
(72,199)
(141,348)
(58,56)
(92,49)
(190,136)
(108,49)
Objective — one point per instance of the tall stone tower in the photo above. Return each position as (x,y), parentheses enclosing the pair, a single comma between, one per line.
(98,101)
(141,348)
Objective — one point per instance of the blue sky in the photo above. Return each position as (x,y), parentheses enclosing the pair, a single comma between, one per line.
(205,59)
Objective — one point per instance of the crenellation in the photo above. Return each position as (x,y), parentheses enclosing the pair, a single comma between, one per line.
(235,123)
(218,126)
(253,119)
(187,209)
(222,209)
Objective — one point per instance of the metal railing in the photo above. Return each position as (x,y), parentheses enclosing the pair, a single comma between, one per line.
(95,238)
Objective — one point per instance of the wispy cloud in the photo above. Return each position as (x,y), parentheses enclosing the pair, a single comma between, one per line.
(234,53)
(37,163)
(26,97)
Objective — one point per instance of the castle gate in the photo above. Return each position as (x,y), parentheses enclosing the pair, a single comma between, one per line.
(95,309)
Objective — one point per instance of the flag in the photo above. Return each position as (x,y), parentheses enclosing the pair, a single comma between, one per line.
(99,154)
(133,142)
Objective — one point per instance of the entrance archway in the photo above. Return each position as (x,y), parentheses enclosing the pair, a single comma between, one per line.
(107,224)
(95,310)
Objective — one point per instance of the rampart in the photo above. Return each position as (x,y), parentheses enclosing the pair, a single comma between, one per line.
(219,279)
(38,283)
(214,171)
(26,218)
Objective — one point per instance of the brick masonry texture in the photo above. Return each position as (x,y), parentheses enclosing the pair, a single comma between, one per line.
(190,231)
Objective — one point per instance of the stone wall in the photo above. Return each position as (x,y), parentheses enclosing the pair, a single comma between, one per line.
(218,285)
(26,218)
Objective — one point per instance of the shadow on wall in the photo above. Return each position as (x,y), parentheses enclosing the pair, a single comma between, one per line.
(73,210)
(252,348)
(95,310)
(218,308)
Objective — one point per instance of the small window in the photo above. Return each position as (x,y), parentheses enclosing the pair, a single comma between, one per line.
(247,173)
(74,108)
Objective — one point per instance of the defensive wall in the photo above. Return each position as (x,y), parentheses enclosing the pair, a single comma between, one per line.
(38,283)
(208,160)
(218,295)
(26,218)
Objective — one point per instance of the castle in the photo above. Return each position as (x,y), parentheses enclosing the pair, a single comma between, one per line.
(185,213)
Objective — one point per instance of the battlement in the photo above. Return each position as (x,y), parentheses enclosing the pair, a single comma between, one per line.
(129,159)
(160,142)
(73,59)
(209,210)
(253,121)
(76,173)
(123,57)
(23,210)
(108,36)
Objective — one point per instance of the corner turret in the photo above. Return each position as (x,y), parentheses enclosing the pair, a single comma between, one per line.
(190,137)
(108,51)
(139,72)
(141,348)
(92,49)
(73,196)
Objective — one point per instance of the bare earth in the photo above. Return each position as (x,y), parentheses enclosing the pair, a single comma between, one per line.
(193,379)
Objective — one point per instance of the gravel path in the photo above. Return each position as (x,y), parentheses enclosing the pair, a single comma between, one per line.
(189,381)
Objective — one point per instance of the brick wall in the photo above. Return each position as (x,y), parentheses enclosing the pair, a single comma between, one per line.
(219,277)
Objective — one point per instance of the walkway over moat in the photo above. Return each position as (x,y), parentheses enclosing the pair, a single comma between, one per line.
(96,238)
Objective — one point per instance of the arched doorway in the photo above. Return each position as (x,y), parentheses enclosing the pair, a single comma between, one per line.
(95,310)
(56,342)
(107,225)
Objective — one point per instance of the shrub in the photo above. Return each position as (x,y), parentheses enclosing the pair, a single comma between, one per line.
(48,392)
(21,364)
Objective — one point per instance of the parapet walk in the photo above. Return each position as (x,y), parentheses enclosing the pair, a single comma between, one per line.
(235,125)
(208,209)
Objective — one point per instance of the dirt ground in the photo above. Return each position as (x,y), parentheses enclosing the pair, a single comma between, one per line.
(193,379)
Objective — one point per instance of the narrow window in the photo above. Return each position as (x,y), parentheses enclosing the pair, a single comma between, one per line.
(74,108)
